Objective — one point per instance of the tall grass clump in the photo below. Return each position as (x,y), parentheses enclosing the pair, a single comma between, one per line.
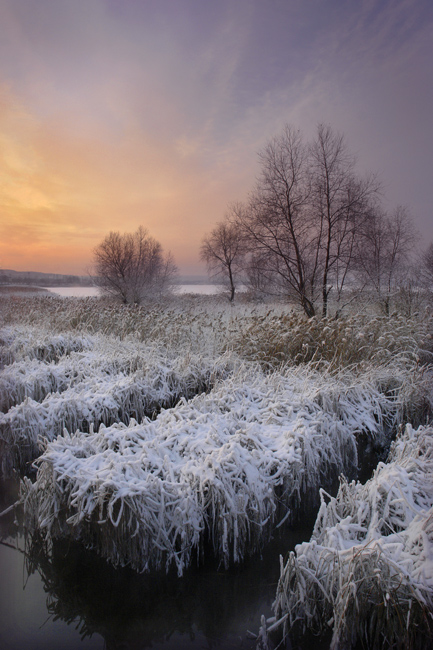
(367,572)
(274,339)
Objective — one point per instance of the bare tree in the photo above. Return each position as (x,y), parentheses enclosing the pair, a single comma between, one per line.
(384,249)
(223,251)
(276,222)
(304,216)
(339,202)
(132,266)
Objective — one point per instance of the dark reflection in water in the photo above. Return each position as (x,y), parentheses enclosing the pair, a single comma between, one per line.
(70,598)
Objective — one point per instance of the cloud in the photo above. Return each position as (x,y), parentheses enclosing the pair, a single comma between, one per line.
(69,190)
(115,114)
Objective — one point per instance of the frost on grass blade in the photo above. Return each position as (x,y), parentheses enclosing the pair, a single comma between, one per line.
(367,571)
(223,468)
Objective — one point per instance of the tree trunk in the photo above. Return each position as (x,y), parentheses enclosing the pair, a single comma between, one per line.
(232,285)
(308,307)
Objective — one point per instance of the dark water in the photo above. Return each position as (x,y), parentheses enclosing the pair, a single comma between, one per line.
(70,598)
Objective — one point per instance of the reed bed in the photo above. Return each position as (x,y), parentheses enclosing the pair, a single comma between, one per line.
(277,338)
(367,572)
(222,469)
(272,334)
(103,358)
(178,322)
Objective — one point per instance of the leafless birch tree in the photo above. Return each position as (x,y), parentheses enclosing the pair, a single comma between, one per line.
(339,202)
(305,214)
(313,225)
(276,221)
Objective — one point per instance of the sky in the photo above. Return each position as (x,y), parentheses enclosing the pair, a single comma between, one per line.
(120,113)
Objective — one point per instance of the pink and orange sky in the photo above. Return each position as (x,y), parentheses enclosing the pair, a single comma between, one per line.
(116,113)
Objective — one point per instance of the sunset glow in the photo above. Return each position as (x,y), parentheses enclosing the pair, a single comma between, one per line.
(115,114)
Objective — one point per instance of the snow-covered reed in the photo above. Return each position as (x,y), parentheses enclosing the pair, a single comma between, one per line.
(367,572)
(61,368)
(286,404)
(101,359)
(181,322)
(270,333)
(21,342)
(223,468)
(106,381)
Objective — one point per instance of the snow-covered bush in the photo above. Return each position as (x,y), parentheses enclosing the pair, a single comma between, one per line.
(367,571)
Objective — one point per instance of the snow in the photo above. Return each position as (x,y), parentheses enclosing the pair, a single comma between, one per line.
(94,379)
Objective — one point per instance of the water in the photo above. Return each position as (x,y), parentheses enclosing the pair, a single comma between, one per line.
(74,292)
(203,289)
(72,599)
(84,292)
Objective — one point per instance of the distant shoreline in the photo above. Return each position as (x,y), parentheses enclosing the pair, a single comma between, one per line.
(10,289)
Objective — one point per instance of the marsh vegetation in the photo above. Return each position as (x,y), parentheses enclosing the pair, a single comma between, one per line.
(190,432)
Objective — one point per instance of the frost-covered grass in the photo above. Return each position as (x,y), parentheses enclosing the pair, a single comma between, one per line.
(18,342)
(101,359)
(222,468)
(367,571)
(272,334)
(73,363)
(178,323)
(77,382)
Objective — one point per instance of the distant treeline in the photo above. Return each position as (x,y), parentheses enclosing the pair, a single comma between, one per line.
(35,278)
